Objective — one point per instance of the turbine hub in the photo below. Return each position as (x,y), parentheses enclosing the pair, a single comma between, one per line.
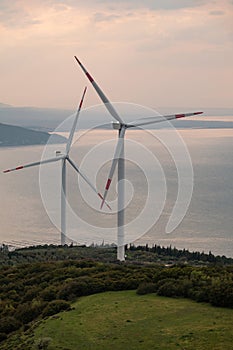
(116,125)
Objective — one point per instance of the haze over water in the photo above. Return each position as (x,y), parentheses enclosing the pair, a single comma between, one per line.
(207,225)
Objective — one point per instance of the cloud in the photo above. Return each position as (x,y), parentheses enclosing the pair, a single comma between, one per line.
(217,13)
(102,17)
(150,4)
(164,4)
(158,43)
(14,14)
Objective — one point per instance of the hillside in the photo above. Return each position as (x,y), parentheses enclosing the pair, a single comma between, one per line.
(42,281)
(4,105)
(32,117)
(18,136)
(137,255)
(119,320)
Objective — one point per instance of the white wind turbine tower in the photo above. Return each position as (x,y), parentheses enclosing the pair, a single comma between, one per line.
(63,158)
(121,126)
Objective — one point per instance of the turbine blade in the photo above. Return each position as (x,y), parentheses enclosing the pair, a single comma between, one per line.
(34,164)
(154,120)
(70,139)
(102,96)
(85,178)
(114,163)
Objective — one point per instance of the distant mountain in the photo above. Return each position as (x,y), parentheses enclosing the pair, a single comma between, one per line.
(17,136)
(46,119)
(4,105)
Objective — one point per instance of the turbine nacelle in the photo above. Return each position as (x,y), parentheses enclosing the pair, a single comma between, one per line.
(60,154)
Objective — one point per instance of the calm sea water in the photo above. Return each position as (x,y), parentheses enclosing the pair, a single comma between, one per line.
(207,225)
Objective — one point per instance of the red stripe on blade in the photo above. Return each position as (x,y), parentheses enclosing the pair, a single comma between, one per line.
(82,99)
(180,116)
(100,195)
(103,201)
(77,60)
(197,113)
(89,77)
(108,184)
(6,171)
(80,104)
(19,167)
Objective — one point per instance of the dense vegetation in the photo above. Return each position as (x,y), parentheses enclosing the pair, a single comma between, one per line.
(41,281)
(135,255)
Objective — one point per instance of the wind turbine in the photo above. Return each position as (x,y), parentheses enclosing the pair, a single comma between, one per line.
(121,126)
(64,158)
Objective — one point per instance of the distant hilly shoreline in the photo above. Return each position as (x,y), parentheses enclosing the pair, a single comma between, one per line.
(47,119)
(18,136)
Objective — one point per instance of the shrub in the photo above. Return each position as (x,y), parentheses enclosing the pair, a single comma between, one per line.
(55,307)
(3,336)
(27,312)
(72,290)
(146,288)
(168,288)
(42,343)
(48,294)
(183,287)
(221,294)
(31,293)
(9,324)
(199,294)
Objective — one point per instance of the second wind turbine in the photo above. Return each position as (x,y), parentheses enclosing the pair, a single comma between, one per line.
(64,158)
(119,158)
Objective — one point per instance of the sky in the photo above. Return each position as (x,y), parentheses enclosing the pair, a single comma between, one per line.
(157,53)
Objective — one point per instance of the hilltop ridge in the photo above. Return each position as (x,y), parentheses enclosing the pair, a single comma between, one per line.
(11,135)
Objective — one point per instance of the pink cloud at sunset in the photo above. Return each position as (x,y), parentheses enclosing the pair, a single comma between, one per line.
(163,53)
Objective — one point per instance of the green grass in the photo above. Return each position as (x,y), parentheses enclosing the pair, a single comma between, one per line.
(124,320)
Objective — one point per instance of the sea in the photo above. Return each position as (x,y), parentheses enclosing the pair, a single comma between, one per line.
(188,169)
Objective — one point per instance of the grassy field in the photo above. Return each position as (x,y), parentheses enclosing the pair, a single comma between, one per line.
(124,320)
